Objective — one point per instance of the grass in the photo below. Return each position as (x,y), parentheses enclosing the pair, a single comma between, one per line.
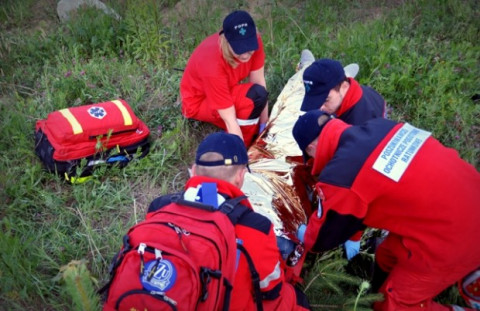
(422,56)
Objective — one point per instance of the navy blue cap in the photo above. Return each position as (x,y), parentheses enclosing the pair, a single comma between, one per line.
(319,78)
(230,146)
(308,128)
(240,31)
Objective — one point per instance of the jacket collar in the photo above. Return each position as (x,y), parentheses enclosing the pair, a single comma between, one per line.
(327,144)
(223,187)
(353,95)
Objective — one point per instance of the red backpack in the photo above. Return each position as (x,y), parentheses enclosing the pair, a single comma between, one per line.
(183,257)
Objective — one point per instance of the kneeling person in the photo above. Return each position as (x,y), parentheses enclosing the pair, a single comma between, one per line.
(425,195)
(221,160)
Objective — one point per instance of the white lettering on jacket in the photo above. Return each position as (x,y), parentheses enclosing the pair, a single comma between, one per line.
(399,152)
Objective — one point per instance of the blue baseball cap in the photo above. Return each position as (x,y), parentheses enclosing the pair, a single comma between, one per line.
(230,146)
(319,78)
(308,127)
(240,31)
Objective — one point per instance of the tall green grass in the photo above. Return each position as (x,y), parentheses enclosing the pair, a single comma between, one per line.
(422,56)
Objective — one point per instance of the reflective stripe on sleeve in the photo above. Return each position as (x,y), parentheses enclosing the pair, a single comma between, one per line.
(242,122)
(274,275)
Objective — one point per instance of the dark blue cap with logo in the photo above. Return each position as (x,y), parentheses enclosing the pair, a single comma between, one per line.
(240,31)
(230,146)
(319,78)
(308,128)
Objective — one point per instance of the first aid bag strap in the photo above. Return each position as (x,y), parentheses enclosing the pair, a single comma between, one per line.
(126,115)
(76,127)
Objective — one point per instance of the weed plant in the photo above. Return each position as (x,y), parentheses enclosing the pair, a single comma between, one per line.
(422,56)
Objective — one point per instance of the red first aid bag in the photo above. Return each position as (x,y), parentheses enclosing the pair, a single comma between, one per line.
(107,132)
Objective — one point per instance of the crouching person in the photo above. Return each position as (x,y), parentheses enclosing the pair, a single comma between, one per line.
(224,80)
(218,174)
(394,176)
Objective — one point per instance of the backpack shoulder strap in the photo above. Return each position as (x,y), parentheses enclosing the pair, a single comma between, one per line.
(231,207)
(234,209)
(117,259)
(178,198)
(255,277)
(160,202)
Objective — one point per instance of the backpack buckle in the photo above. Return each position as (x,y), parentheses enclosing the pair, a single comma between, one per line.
(227,207)
(206,275)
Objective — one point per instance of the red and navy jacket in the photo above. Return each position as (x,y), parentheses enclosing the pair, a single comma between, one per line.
(258,237)
(360,104)
(396,177)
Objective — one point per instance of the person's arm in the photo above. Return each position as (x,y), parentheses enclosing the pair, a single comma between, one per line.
(338,218)
(217,91)
(264,115)
(258,77)
(263,249)
(229,116)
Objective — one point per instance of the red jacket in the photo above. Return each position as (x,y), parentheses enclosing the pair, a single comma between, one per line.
(393,176)
(208,75)
(360,104)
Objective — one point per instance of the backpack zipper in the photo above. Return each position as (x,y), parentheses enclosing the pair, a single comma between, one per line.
(180,232)
(112,134)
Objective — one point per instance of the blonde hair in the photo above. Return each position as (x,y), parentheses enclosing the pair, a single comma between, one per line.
(226,51)
(224,172)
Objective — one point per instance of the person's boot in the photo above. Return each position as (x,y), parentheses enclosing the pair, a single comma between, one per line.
(306,58)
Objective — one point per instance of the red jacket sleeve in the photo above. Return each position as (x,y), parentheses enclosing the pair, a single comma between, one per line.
(258,58)
(337,219)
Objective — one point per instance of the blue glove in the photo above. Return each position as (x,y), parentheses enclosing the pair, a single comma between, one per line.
(352,248)
(261,127)
(285,246)
(301,232)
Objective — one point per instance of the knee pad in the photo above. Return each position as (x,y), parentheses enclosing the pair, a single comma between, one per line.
(259,95)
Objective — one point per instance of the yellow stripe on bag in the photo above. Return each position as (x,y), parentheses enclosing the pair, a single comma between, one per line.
(126,115)
(76,127)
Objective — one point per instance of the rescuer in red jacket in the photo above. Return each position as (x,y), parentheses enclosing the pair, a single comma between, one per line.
(222,160)
(328,88)
(396,177)
(211,88)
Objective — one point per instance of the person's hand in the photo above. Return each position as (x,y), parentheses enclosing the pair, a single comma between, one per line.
(285,246)
(261,127)
(352,248)
(301,232)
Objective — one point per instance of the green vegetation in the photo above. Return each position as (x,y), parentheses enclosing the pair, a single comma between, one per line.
(56,239)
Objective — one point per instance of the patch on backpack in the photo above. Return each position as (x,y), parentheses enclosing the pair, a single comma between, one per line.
(159,277)
(97,112)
